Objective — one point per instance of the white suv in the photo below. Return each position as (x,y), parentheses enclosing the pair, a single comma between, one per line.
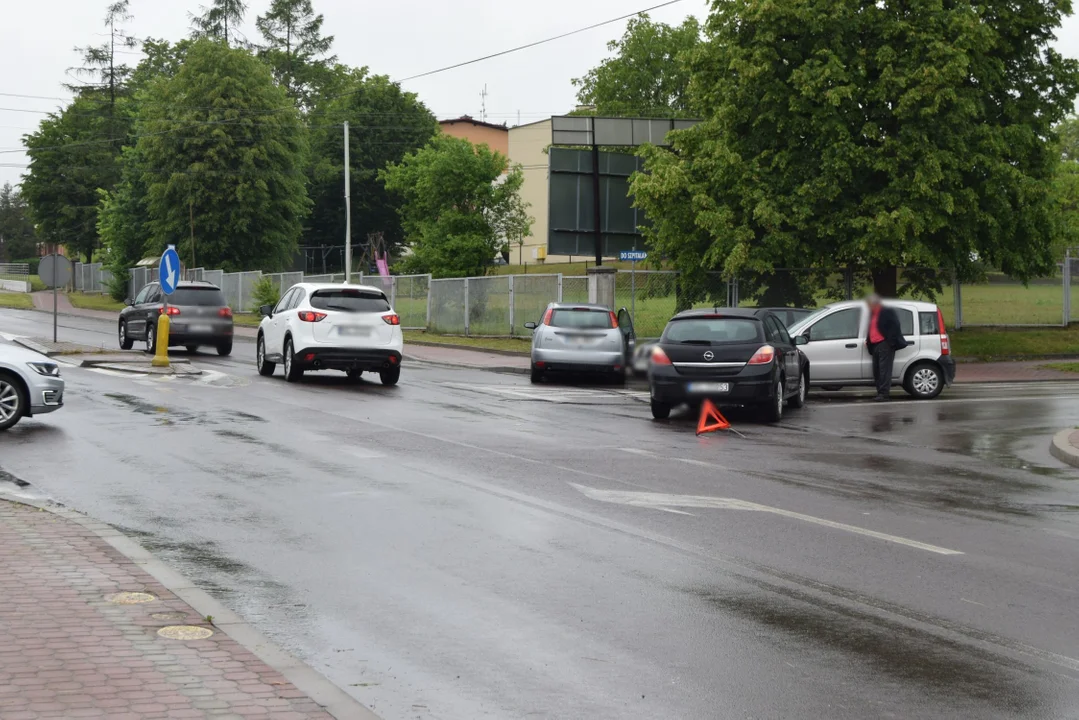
(834,340)
(331,327)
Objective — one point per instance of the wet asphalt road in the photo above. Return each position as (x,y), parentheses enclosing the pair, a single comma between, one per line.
(467,546)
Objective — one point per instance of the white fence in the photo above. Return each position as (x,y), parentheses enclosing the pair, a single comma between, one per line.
(15,277)
(91,278)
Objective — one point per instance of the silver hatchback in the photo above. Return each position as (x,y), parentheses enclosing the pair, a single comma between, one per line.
(581,339)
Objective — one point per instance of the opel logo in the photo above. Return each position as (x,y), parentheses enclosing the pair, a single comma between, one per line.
(709,356)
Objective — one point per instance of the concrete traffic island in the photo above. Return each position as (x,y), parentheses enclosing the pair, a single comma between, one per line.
(1065,446)
(88,356)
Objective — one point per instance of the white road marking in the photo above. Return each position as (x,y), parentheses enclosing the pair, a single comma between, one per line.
(880,406)
(664,500)
(972,602)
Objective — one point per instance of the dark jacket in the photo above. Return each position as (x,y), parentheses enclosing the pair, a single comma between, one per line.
(888,325)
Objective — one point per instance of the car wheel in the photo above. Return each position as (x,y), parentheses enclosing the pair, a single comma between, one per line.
(151,337)
(192,348)
(390,377)
(537,375)
(266,368)
(924,381)
(12,401)
(225,349)
(126,343)
(799,400)
(293,372)
(660,411)
(773,411)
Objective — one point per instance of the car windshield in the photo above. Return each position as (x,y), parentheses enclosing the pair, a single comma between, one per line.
(581,318)
(712,331)
(803,323)
(345,300)
(200,297)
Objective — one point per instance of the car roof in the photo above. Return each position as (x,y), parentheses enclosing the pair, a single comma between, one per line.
(196,284)
(337,286)
(918,305)
(747,313)
(570,306)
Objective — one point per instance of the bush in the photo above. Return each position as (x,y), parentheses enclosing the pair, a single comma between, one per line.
(119,284)
(265,291)
(32,262)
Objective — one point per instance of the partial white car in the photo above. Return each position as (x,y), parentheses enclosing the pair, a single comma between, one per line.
(834,340)
(30,384)
(320,326)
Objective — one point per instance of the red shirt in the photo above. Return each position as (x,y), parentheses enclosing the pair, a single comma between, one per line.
(874,334)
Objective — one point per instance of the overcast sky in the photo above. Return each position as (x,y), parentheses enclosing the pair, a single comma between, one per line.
(400,38)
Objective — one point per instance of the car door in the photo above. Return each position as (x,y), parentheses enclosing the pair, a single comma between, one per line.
(274,332)
(836,347)
(785,349)
(629,335)
(132,314)
(147,312)
(908,327)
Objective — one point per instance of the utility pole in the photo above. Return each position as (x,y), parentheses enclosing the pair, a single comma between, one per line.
(348,212)
(191,214)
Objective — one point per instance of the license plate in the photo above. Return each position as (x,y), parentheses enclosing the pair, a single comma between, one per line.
(353,331)
(707,388)
(200,329)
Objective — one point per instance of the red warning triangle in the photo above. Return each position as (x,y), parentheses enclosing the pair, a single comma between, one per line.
(711,419)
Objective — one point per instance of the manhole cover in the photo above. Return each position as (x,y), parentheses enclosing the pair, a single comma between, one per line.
(131,598)
(185,632)
(169,616)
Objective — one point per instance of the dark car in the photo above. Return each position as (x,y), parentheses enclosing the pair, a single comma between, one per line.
(788,315)
(198,316)
(731,356)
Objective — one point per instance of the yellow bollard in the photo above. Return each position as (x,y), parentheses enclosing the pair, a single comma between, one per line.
(161,354)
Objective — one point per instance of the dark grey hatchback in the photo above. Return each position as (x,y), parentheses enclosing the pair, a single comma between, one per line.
(730,356)
(198,316)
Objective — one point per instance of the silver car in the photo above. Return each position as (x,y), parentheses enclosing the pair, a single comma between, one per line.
(581,339)
(30,384)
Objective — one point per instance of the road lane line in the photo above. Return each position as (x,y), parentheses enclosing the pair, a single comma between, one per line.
(665,501)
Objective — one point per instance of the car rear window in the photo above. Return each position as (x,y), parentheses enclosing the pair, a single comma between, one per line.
(713,331)
(929,323)
(357,301)
(199,297)
(582,318)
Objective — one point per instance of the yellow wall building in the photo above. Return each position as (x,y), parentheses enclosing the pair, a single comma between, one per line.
(528,148)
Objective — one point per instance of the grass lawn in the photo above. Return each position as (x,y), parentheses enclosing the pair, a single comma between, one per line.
(1005,344)
(17,301)
(1064,366)
(517,345)
(246,319)
(94,302)
(36,284)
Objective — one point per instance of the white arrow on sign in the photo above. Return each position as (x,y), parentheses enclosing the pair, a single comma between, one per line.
(663,501)
(170,271)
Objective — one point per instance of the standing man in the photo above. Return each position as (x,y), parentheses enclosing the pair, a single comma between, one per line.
(885,338)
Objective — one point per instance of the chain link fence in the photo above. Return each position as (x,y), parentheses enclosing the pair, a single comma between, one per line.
(90,277)
(446,307)
(409,299)
(574,289)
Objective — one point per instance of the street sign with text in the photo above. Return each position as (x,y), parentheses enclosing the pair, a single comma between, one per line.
(633,256)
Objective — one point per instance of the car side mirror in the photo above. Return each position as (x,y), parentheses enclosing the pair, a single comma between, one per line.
(530,325)
(801,339)
(129,302)
(266,311)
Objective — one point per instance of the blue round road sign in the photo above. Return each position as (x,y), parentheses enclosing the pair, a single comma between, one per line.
(169,271)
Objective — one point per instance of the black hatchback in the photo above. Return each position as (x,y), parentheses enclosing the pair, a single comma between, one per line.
(731,356)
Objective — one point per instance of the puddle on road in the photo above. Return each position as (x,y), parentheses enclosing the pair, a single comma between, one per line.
(952,672)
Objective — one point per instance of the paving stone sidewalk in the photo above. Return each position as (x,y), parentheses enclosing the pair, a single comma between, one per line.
(69,650)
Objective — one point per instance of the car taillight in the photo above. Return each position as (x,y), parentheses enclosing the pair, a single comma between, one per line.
(945,342)
(391,319)
(311,316)
(659,357)
(225,312)
(547,316)
(614,320)
(765,355)
(173,311)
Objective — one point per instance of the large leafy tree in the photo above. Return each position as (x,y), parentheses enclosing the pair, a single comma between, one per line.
(73,154)
(457,209)
(294,46)
(648,75)
(222,156)
(872,135)
(386,123)
(1066,185)
(18,240)
(219,21)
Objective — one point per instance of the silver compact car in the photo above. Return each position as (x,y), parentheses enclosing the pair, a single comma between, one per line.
(30,384)
(581,339)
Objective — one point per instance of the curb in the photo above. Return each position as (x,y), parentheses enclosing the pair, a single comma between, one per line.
(505,369)
(1061,448)
(470,348)
(307,680)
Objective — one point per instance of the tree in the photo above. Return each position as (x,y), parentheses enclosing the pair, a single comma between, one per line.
(219,21)
(871,135)
(1066,185)
(648,75)
(386,123)
(73,154)
(18,239)
(100,63)
(295,47)
(458,210)
(222,155)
